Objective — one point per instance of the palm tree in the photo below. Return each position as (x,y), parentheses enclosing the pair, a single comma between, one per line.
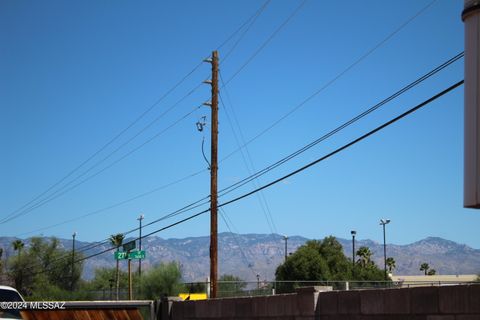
(116,240)
(424,267)
(18,245)
(390,264)
(365,256)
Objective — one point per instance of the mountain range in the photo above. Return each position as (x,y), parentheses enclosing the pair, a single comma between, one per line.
(246,255)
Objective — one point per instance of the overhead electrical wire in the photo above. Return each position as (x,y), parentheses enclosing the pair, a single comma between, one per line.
(393,96)
(4,220)
(344,125)
(331,81)
(240,38)
(224,216)
(141,116)
(267,41)
(267,169)
(301,169)
(334,79)
(103,242)
(348,145)
(249,165)
(246,63)
(254,17)
(237,233)
(112,206)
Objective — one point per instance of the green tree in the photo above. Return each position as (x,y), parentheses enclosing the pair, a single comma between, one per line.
(338,264)
(390,264)
(117,240)
(424,267)
(44,263)
(230,285)
(431,272)
(104,281)
(324,261)
(366,272)
(314,261)
(18,246)
(44,290)
(19,272)
(164,279)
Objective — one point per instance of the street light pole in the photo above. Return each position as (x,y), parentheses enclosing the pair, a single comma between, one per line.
(140,244)
(73,259)
(384,222)
(286,240)
(353,233)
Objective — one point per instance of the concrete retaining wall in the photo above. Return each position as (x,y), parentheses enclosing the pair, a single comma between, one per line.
(424,303)
(430,303)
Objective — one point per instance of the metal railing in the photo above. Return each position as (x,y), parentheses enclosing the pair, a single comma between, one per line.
(264,288)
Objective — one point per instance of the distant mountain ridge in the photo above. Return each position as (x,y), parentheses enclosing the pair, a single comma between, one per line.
(250,254)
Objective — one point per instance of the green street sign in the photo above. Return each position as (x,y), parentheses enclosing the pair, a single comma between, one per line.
(138,254)
(119,255)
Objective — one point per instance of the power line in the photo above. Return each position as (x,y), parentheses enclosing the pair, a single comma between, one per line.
(257,14)
(342,126)
(334,79)
(59,193)
(56,195)
(186,208)
(253,16)
(141,116)
(267,41)
(237,233)
(285,159)
(250,169)
(231,79)
(426,102)
(223,215)
(115,205)
(338,150)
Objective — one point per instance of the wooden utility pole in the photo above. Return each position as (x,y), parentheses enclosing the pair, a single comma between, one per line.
(130,288)
(213,179)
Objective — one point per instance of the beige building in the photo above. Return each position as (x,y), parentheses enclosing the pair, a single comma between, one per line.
(435,280)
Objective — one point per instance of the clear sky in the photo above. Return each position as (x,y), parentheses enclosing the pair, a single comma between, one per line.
(76,74)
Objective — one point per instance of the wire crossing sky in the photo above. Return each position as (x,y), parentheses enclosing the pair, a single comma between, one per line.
(75,75)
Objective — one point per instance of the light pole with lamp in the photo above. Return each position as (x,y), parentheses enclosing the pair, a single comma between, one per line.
(353,233)
(384,222)
(73,259)
(140,244)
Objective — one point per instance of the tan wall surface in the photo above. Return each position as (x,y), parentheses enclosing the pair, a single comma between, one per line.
(423,303)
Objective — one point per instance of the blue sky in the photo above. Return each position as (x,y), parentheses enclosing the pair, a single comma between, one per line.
(75,74)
